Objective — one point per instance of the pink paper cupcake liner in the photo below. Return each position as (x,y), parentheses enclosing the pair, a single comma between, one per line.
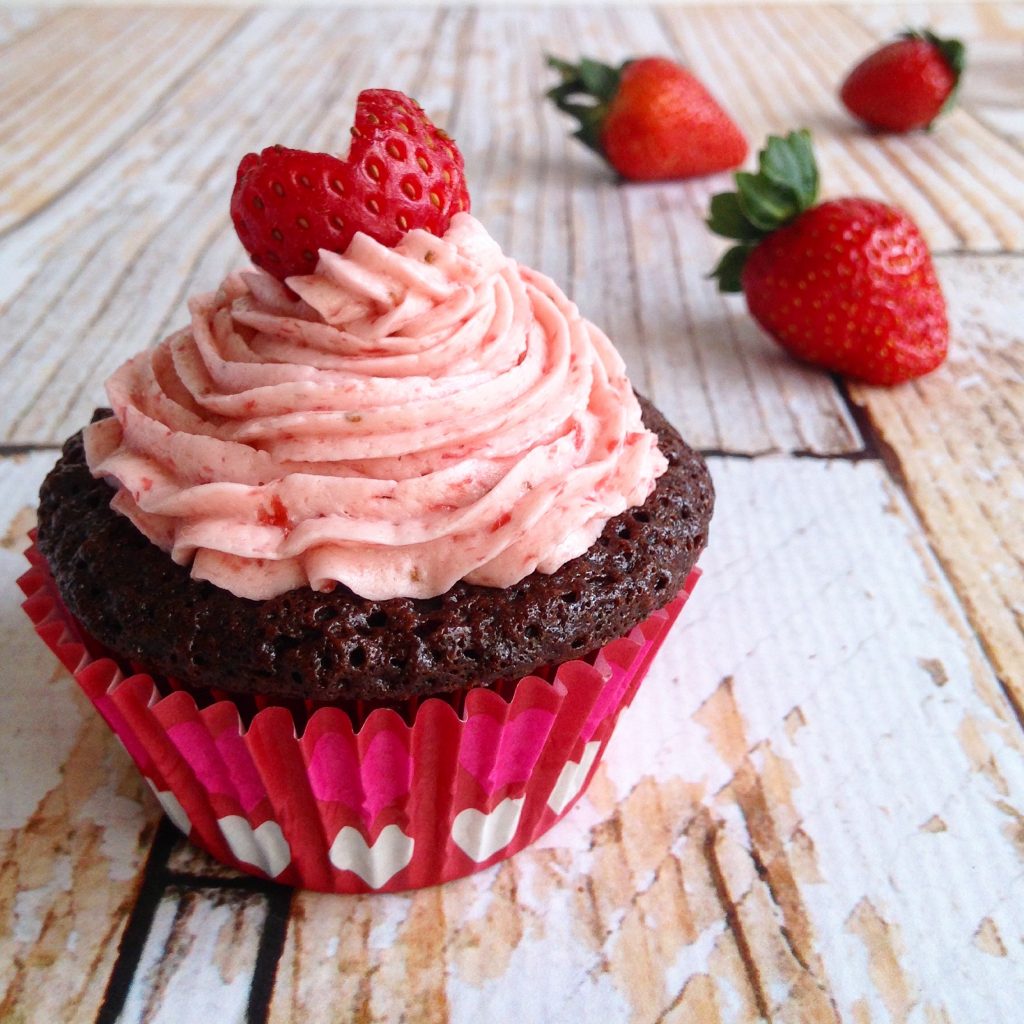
(375,804)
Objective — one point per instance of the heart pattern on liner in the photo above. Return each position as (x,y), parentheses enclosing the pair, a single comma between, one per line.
(452,792)
(480,835)
(368,784)
(497,753)
(264,847)
(172,808)
(375,864)
(570,780)
(222,765)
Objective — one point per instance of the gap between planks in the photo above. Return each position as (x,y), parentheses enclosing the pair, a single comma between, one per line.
(157,879)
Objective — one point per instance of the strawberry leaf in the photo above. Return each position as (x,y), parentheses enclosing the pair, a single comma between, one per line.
(729,272)
(585,91)
(765,204)
(953,51)
(563,67)
(599,80)
(789,163)
(726,218)
(785,186)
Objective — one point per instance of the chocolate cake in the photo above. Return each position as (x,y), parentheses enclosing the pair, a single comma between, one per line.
(326,646)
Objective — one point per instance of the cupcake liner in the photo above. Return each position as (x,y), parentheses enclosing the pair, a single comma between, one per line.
(375,803)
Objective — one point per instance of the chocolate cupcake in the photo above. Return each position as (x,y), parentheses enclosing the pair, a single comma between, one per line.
(363,564)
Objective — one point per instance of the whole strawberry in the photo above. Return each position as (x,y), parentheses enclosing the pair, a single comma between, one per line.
(401,173)
(650,118)
(907,83)
(847,284)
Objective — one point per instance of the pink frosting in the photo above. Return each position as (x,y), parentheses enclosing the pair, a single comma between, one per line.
(417,416)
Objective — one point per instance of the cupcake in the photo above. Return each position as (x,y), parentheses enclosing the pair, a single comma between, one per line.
(363,564)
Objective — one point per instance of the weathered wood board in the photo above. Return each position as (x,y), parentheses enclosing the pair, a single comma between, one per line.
(956,440)
(74,821)
(635,259)
(199,957)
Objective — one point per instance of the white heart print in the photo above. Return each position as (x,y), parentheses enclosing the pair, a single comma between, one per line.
(264,847)
(481,835)
(375,864)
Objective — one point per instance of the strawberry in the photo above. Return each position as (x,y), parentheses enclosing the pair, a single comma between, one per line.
(401,173)
(905,84)
(847,284)
(650,118)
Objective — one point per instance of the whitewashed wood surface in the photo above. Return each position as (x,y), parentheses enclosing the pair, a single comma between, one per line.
(814,811)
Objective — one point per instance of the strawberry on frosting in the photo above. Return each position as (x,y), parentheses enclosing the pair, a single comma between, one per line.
(401,418)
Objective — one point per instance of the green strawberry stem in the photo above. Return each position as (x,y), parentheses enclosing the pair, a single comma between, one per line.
(592,82)
(785,185)
(954,53)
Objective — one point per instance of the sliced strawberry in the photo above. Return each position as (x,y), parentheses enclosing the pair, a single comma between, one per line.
(401,173)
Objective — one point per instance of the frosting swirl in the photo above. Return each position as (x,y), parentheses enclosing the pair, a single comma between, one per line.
(415,416)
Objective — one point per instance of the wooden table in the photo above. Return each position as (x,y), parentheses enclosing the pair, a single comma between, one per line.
(814,810)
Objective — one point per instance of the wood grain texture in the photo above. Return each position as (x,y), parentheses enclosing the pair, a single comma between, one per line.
(814,805)
(955,439)
(75,821)
(198,960)
(188,861)
(74,91)
(17,21)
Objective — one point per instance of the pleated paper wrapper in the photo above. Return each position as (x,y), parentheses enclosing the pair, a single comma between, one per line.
(374,802)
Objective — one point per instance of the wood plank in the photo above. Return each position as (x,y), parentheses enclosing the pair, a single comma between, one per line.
(813,811)
(198,959)
(809,813)
(955,438)
(186,861)
(74,89)
(75,820)
(17,21)
(92,278)
(789,773)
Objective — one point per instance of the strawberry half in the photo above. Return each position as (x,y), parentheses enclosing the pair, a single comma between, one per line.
(905,84)
(401,172)
(651,119)
(848,284)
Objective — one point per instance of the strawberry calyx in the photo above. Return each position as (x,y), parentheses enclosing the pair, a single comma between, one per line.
(952,51)
(785,185)
(586,92)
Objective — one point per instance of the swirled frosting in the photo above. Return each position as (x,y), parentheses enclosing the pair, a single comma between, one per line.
(400,420)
